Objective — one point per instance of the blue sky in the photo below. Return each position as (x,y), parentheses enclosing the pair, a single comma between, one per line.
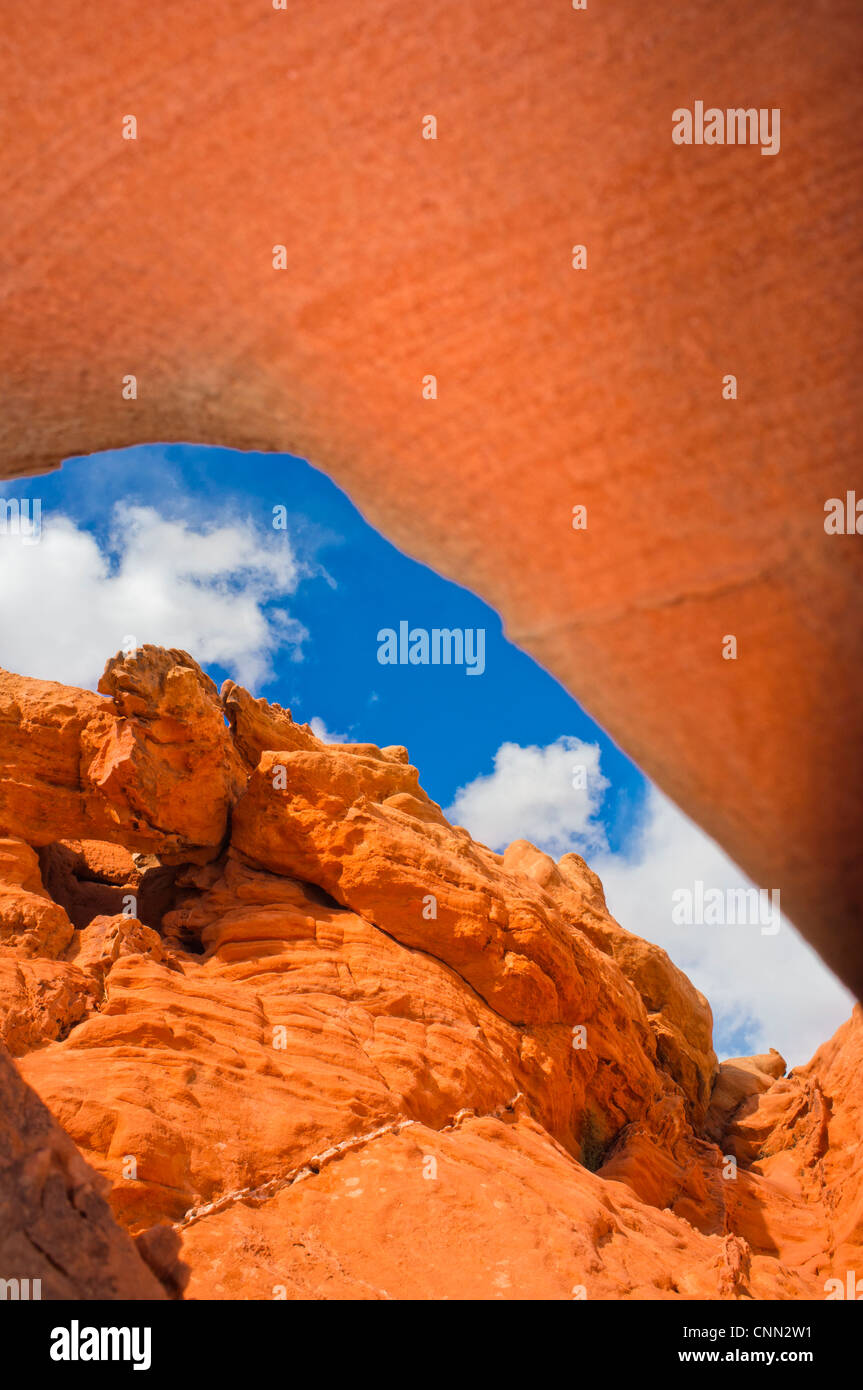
(357,584)
(175,544)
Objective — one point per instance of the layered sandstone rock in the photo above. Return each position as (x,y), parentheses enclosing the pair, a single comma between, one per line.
(341,1050)
(30,920)
(151,767)
(557,387)
(739,1079)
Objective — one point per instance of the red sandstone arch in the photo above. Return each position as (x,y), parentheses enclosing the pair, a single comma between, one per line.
(556,387)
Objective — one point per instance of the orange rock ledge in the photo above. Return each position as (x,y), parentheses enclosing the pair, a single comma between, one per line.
(318,1043)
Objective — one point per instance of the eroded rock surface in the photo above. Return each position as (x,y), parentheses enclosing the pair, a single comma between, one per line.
(557,387)
(150,766)
(339,1049)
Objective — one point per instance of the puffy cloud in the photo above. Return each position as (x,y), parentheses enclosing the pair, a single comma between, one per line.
(69,603)
(766,990)
(320,730)
(549,795)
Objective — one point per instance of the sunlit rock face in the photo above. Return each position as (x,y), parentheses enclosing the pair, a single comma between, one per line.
(329,1046)
(298,138)
(151,768)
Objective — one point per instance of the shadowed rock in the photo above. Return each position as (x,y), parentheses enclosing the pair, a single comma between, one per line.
(55,1225)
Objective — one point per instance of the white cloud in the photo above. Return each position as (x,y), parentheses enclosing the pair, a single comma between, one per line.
(765,990)
(67,604)
(320,730)
(537,794)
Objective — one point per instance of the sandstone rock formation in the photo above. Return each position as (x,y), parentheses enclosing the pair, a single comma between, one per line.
(152,769)
(352,1053)
(556,387)
(55,1225)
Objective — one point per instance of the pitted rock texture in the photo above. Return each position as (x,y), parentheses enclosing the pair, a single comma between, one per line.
(352,1053)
